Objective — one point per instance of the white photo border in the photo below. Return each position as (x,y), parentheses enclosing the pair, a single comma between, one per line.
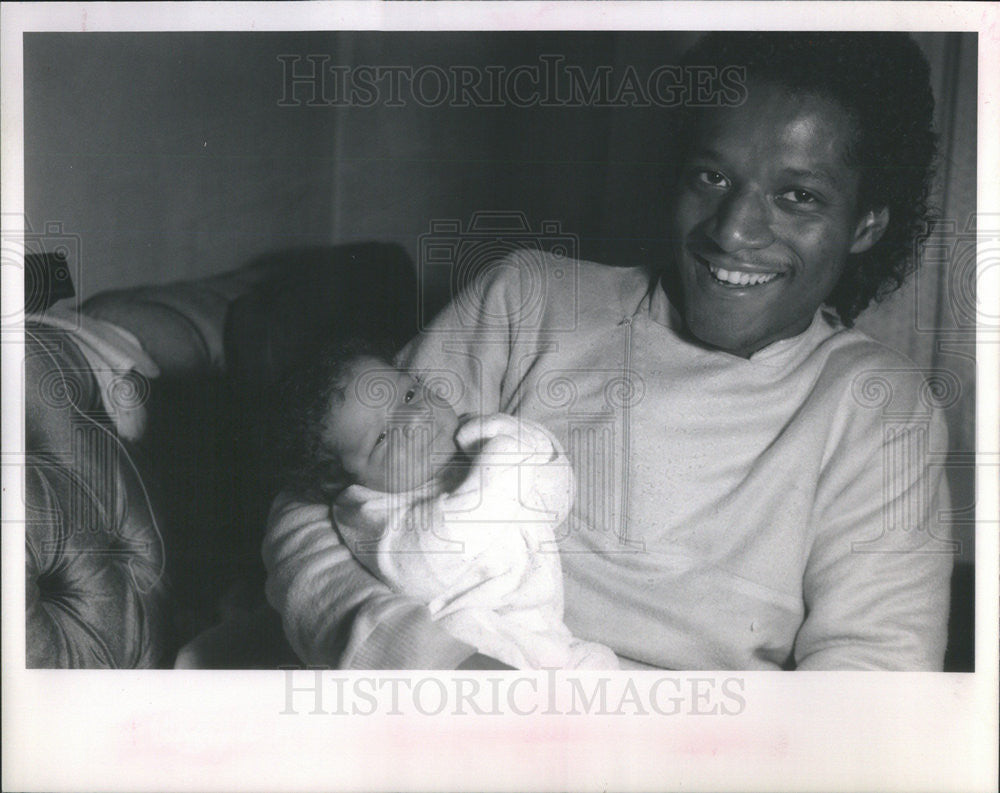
(166,730)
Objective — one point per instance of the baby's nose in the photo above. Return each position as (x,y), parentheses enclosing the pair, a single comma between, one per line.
(414,429)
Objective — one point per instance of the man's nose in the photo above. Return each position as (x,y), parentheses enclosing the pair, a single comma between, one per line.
(742,220)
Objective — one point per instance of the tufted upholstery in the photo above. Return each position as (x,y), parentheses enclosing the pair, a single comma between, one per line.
(95,575)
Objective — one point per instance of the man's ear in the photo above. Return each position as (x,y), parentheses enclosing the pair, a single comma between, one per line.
(871,226)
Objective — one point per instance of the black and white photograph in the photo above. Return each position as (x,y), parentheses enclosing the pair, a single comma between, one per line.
(477,396)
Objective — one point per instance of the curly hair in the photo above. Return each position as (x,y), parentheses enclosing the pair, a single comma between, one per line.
(307,464)
(882,81)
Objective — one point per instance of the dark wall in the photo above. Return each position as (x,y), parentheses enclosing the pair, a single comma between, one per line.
(171,155)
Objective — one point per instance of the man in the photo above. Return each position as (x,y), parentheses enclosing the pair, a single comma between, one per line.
(743,502)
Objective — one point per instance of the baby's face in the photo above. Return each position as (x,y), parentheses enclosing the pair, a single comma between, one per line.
(390,433)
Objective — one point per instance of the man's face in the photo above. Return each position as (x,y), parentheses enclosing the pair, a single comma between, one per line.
(765,217)
(390,433)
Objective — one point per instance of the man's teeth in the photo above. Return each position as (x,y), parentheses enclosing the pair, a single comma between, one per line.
(741,279)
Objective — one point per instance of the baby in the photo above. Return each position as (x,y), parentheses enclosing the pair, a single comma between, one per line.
(459,514)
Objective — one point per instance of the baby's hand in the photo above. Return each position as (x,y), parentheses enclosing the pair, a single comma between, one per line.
(503,435)
(511,483)
(508,453)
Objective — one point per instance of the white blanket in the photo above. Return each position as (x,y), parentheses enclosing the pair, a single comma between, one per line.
(483,557)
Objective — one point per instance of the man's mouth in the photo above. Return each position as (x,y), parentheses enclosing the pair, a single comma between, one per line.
(738,278)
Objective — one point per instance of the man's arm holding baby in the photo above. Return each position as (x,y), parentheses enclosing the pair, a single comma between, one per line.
(334,612)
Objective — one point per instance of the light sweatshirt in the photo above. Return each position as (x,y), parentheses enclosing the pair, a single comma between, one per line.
(782,511)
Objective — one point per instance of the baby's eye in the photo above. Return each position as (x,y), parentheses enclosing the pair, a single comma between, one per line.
(409,396)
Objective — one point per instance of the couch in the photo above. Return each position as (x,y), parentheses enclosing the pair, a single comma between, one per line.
(144,552)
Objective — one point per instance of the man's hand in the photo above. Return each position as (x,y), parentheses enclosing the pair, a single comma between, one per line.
(480,661)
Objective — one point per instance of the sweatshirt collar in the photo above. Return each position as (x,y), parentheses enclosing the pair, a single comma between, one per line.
(656,306)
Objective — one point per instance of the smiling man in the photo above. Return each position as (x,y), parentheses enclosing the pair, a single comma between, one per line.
(743,501)
(792,191)
(766,217)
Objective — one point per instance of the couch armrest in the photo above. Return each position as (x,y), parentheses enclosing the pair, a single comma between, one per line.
(180,325)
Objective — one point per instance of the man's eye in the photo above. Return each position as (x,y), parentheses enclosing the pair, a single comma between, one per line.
(713,178)
(380,438)
(409,395)
(799,197)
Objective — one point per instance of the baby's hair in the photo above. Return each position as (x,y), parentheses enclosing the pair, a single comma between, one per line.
(308,466)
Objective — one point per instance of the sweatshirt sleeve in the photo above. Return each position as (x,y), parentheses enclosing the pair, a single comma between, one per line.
(333,611)
(465,350)
(876,584)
